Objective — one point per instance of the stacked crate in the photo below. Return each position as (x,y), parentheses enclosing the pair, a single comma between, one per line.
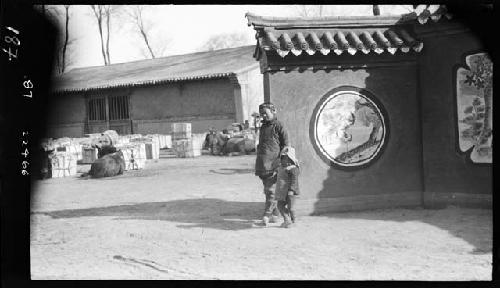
(63,164)
(134,154)
(89,155)
(71,147)
(183,148)
(152,146)
(164,141)
(153,149)
(181,131)
(133,136)
(65,145)
(122,140)
(182,141)
(81,144)
(198,140)
(167,141)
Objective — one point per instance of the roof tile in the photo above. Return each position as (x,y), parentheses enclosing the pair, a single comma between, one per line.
(336,34)
(351,41)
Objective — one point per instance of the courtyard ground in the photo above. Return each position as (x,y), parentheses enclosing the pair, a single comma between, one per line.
(195,219)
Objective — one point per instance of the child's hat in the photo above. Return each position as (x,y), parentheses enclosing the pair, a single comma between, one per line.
(290,152)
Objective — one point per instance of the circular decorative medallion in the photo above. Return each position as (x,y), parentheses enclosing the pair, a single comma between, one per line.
(349,128)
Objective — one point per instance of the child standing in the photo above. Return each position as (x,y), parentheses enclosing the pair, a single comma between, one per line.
(287,187)
(272,139)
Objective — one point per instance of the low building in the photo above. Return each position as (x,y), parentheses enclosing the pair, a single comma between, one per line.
(206,89)
(381,110)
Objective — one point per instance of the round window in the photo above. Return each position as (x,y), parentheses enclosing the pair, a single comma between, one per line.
(349,128)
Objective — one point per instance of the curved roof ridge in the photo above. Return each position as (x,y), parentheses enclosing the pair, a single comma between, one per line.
(327,21)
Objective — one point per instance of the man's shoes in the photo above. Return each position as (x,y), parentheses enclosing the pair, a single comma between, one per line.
(287,224)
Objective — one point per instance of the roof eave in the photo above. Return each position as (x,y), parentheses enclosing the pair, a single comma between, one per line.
(153,82)
(328,22)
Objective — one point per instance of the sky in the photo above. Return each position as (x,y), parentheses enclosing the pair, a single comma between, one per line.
(184,27)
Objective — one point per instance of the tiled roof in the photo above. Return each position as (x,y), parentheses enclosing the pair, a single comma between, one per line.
(333,34)
(196,66)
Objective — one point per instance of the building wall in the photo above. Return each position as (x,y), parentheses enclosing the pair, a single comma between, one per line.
(203,103)
(255,94)
(393,179)
(154,108)
(450,178)
(66,116)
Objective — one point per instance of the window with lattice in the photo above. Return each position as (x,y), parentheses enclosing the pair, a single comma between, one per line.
(97,109)
(118,107)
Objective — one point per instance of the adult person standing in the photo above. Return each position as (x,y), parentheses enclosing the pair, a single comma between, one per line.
(272,139)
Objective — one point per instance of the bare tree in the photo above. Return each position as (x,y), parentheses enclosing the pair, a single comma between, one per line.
(310,10)
(225,40)
(99,14)
(60,15)
(155,47)
(66,37)
(103,14)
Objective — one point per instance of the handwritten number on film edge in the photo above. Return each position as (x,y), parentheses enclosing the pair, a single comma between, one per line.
(25,163)
(12,41)
(11,45)
(28,85)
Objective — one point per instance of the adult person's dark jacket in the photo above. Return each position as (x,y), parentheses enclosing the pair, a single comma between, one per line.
(272,139)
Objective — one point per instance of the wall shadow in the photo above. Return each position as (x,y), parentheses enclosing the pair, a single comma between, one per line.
(459,222)
(190,213)
(400,165)
(231,171)
(395,166)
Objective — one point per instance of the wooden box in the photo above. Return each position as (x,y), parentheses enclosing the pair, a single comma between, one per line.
(134,155)
(181,131)
(63,164)
(89,155)
(153,148)
(184,148)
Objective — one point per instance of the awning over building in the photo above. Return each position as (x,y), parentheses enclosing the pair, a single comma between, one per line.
(333,35)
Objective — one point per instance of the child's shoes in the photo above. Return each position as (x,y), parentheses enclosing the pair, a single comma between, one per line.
(265,221)
(273,219)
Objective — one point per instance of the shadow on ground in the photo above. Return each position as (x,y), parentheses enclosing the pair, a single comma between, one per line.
(194,213)
(472,225)
(231,171)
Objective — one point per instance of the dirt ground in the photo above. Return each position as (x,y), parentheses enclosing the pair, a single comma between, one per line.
(195,219)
